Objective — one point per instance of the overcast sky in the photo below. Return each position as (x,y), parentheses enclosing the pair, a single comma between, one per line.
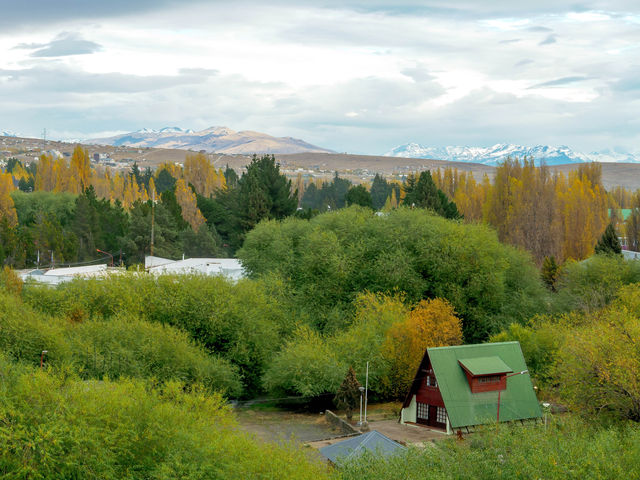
(355,76)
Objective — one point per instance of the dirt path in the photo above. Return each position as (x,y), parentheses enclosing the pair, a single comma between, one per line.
(286,426)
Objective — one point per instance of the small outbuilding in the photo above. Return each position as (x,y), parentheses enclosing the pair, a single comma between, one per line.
(457,388)
(373,442)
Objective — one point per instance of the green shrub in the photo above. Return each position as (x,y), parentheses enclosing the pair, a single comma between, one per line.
(567,449)
(57,426)
(593,283)
(122,346)
(240,322)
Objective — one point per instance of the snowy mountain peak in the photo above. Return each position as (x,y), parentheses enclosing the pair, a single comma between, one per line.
(212,139)
(500,151)
(7,133)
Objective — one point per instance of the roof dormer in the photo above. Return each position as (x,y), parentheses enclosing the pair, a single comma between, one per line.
(485,374)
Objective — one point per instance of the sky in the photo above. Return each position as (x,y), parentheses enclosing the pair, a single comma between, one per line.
(356,76)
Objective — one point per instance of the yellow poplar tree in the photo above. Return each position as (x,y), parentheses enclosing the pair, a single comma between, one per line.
(7,207)
(45,178)
(79,170)
(187,201)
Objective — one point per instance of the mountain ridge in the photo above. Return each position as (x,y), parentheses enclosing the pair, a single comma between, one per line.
(213,139)
(495,154)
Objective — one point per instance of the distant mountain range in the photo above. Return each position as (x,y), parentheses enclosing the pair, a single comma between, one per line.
(6,133)
(214,139)
(497,153)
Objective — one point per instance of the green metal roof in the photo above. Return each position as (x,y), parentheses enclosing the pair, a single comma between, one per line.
(624,212)
(517,402)
(485,365)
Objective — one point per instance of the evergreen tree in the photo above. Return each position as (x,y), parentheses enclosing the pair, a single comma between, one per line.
(423,193)
(263,192)
(609,242)
(165,181)
(169,201)
(334,194)
(310,199)
(231,177)
(135,173)
(380,191)
(203,243)
(348,394)
(86,224)
(358,195)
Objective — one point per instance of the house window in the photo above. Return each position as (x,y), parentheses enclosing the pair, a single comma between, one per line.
(489,379)
(441,415)
(423,410)
(431,381)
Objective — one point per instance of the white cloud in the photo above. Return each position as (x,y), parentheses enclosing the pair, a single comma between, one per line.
(359,76)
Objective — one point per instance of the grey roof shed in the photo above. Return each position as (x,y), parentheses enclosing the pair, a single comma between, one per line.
(373,442)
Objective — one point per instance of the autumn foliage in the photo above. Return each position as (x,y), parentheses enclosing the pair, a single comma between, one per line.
(432,323)
(543,211)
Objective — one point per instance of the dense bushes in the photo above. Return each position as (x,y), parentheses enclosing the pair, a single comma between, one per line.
(384,333)
(313,364)
(123,346)
(589,360)
(329,259)
(57,426)
(567,449)
(592,283)
(244,323)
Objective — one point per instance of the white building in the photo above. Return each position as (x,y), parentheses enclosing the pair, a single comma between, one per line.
(55,276)
(229,268)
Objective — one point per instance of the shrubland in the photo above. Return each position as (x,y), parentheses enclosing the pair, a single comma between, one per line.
(55,425)
(242,323)
(124,346)
(568,448)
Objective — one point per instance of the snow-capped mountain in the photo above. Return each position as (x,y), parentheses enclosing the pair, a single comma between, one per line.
(6,133)
(497,153)
(214,139)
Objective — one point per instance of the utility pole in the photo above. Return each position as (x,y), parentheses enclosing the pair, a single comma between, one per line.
(153,207)
(366,392)
(44,140)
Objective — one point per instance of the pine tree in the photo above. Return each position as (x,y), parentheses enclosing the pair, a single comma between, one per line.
(609,242)
(358,195)
(348,394)
(264,192)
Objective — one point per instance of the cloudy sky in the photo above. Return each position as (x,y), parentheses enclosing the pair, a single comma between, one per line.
(359,76)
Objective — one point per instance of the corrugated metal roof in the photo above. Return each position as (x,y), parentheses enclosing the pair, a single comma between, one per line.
(373,442)
(464,408)
(485,365)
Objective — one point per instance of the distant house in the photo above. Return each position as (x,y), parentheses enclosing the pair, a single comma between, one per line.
(457,388)
(226,267)
(373,442)
(56,276)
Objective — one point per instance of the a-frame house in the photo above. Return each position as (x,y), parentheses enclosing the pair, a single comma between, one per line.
(456,388)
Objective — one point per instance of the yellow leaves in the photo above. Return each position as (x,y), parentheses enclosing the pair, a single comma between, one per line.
(79,170)
(200,172)
(547,214)
(432,323)
(187,201)
(7,207)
